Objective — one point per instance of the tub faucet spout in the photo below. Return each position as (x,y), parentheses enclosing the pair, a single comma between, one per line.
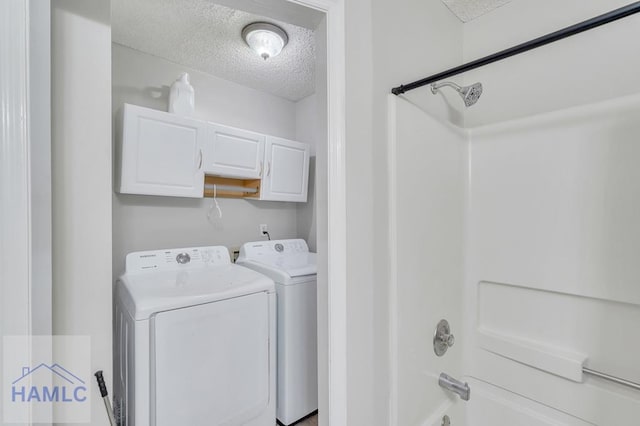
(455,386)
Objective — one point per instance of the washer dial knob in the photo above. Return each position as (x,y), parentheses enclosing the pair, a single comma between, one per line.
(183,258)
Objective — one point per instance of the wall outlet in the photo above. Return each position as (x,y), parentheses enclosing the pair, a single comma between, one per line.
(235,252)
(263,228)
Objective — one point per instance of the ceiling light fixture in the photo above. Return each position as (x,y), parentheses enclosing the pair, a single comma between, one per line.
(267,40)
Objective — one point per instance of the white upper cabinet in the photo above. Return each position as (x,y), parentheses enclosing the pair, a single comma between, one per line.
(286,175)
(166,154)
(231,152)
(161,153)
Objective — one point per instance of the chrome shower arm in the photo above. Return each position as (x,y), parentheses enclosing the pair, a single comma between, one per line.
(436,86)
(469,94)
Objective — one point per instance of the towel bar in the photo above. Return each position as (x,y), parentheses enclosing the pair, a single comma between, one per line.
(614,379)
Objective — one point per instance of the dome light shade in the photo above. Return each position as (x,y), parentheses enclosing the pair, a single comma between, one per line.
(267,40)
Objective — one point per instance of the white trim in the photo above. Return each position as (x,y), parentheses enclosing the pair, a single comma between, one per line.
(39,122)
(393,258)
(39,134)
(337,217)
(15,213)
(15,232)
(25,131)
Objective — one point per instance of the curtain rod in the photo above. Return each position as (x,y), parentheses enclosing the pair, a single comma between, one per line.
(606,18)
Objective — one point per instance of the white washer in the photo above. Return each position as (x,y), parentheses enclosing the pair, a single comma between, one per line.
(194,341)
(293,268)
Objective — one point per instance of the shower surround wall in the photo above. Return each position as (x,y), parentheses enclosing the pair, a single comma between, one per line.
(550,237)
(550,243)
(552,254)
(554,199)
(427,206)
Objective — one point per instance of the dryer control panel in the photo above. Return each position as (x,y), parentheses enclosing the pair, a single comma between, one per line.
(175,259)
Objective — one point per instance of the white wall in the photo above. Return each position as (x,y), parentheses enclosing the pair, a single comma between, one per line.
(307,121)
(362,377)
(322,225)
(147,222)
(143,79)
(81,175)
(388,43)
(307,131)
(596,65)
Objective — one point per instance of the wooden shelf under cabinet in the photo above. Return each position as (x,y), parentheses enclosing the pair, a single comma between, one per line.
(210,181)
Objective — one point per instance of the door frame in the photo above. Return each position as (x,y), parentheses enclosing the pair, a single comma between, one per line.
(19,265)
(335,325)
(15,229)
(25,170)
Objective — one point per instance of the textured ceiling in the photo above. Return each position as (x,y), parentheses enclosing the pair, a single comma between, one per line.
(206,36)
(467,10)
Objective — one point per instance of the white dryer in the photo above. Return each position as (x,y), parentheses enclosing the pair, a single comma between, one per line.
(293,268)
(194,341)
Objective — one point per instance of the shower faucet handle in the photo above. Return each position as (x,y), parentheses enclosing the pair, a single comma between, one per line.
(448,339)
(442,338)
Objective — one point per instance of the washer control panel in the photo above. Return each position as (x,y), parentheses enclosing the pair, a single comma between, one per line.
(259,249)
(173,259)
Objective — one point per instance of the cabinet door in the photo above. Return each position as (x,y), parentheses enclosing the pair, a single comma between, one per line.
(161,154)
(233,152)
(286,176)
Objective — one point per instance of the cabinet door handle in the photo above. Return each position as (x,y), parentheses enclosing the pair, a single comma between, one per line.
(200,161)
(268,168)
(261,165)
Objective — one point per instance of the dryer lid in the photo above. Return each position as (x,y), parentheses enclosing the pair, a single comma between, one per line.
(156,282)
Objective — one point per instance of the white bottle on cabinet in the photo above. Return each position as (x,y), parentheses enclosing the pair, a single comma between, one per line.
(181,96)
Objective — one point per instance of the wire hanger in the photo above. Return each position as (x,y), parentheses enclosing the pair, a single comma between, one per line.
(216,205)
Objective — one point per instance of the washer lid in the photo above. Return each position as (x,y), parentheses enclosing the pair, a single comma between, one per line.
(144,294)
(289,256)
(277,274)
(294,265)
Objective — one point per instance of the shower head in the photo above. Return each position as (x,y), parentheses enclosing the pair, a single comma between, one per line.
(469,94)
